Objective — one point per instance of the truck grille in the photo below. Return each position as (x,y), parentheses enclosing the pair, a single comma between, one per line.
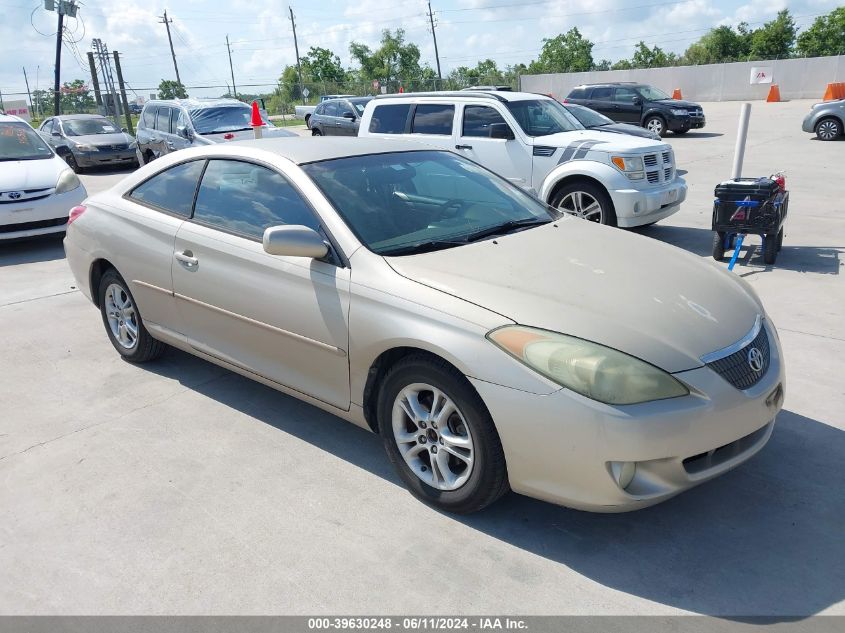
(660,167)
(736,368)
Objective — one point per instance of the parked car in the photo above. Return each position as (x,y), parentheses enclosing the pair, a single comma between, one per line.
(37,188)
(338,117)
(305,111)
(168,126)
(640,104)
(89,140)
(593,120)
(136,108)
(826,120)
(533,141)
(492,342)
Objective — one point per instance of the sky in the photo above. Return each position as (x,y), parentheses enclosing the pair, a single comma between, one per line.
(507,31)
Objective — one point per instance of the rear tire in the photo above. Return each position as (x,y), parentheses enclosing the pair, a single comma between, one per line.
(308,121)
(577,198)
(780,239)
(123,322)
(316,132)
(770,249)
(719,246)
(450,456)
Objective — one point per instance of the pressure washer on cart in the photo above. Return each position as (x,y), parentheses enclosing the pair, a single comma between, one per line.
(748,205)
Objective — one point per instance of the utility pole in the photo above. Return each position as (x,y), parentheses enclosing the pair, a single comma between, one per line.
(105,64)
(29,94)
(56,87)
(126,113)
(296,49)
(95,81)
(167,23)
(231,70)
(434,35)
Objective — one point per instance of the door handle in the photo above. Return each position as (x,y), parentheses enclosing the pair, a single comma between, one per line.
(170,145)
(187,258)
(463,146)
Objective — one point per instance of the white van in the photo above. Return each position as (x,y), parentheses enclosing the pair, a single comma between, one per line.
(534,142)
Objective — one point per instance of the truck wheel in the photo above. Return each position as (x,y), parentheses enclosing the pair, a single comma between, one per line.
(655,124)
(308,121)
(780,239)
(718,246)
(770,248)
(585,200)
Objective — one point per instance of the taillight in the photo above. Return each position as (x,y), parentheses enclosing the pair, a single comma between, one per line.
(75,213)
(565,100)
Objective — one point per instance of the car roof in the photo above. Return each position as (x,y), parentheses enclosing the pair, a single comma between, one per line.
(196,103)
(303,150)
(74,117)
(498,95)
(611,83)
(11,118)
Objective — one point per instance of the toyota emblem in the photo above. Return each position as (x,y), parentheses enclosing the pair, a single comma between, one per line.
(14,195)
(755,359)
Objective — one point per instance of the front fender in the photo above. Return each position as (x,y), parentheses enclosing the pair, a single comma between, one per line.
(609,177)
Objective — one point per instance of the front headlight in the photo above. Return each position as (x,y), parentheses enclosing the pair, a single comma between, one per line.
(678,112)
(631,165)
(593,370)
(86,147)
(67,182)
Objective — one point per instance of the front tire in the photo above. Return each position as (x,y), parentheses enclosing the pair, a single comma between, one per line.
(123,322)
(70,159)
(828,129)
(655,124)
(585,200)
(440,437)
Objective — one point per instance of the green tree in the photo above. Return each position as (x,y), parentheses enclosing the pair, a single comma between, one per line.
(392,63)
(169,89)
(775,39)
(722,44)
(622,64)
(604,64)
(321,64)
(645,57)
(76,98)
(825,37)
(569,52)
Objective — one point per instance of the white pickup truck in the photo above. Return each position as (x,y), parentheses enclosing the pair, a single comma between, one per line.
(305,111)
(532,140)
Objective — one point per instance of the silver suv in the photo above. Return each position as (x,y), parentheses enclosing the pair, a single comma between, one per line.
(826,120)
(170,125)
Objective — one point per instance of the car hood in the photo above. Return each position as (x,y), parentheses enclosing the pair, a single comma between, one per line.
(31,174)
(627,128)
(98,140)
(242,135)
(680,103)
(605,141)
(633,293)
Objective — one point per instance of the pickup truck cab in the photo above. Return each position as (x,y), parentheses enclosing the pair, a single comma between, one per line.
(534,142)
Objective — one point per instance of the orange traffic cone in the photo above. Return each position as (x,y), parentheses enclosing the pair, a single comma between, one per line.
(677,94)
(774,94)
(257,122)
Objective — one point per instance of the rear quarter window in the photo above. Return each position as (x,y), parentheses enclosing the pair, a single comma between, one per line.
(601,94)
(433,118)
(390,118)
(578,93)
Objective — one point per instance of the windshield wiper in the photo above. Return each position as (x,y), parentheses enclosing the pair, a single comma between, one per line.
(504,228)
(223,131)
(423,247)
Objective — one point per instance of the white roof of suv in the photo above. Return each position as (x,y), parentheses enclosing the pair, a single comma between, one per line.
(498,95)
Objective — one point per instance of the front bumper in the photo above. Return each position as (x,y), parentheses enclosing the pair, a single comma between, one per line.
(30,218)
(684,123)
(635,207)
(560,447)
(809,123)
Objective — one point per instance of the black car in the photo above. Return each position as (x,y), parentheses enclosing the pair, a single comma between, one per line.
(338,117)
(640,104)
(593,120)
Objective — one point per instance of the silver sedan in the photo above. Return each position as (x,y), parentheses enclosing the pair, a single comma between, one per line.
(492,343)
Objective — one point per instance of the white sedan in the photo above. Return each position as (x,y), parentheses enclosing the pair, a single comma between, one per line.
(491,342)
(37,188)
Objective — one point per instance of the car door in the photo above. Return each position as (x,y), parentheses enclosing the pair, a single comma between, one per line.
(346,119)
(508,158)
(331,119)
(625,108)
(283,318)
(145,134)
(162,133)
(142,241)
(601,100)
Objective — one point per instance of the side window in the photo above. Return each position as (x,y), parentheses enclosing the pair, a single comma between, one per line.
(319,109)
(330,108)
(148,118)
(601,94)
(390,119)
(345,108)
(432,118)
(578,93)
(47,127)
(172,190)
(174,119)
(163,120)
(246,199)
(477,120)
(624,95)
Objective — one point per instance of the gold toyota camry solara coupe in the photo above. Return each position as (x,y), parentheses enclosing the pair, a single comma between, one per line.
(491,342)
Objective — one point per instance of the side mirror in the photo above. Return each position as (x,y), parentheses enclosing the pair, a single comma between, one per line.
(123,129)
(294,240)
(349,115)
(184,131)
(501,130)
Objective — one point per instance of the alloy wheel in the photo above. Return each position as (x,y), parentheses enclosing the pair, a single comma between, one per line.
(582,205)
(433,436)
(828,130)
(122,316)
(655,125)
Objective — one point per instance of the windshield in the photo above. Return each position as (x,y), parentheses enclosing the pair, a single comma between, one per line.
(652,94)
(408,202)
(587,117)
(84,127)
(360,104)
(18,141)
(542,117)
(222,119)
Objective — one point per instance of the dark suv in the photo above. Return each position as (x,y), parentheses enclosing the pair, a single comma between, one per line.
(641,104)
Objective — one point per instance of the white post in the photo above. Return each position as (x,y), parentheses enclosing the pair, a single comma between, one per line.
(741,134)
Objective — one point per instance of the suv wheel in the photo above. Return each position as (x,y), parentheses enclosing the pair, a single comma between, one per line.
(828,129)
(316,132)
(655,124)
(585,200)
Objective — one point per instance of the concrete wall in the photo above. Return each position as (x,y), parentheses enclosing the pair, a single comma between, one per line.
(796,78)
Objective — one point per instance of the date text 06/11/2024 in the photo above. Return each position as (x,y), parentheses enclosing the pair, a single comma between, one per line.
(420,623)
